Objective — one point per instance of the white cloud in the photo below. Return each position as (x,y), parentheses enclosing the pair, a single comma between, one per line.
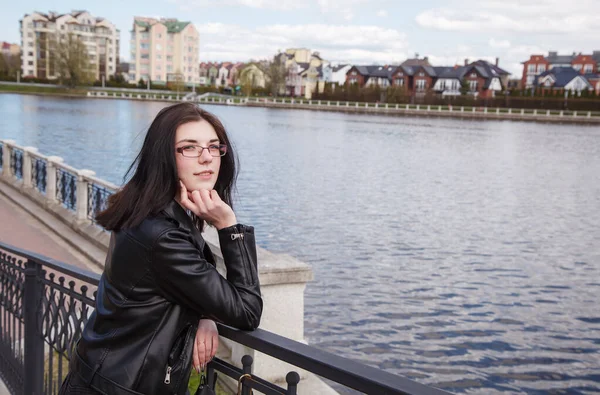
(382,13)
(264,4)
(507,16)
(499,43)
(348,43)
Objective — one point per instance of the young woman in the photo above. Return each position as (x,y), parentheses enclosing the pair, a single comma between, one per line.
(160,293)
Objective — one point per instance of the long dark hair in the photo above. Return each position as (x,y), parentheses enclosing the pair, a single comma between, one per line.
(155,181)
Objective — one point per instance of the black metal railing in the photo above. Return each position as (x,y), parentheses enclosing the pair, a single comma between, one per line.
(66,188)
(44,305)
(38,174)
(97,200)
(16,163)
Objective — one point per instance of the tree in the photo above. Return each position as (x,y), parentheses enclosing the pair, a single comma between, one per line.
(72,61)
(10,65)
(248,79)
(178,82)
(464,87)
(275,73)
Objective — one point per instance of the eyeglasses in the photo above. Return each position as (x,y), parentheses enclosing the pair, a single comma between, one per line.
(194,151)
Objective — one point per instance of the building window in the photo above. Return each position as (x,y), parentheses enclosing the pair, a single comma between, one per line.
(157,78)
(548,82)
(158,56)
(169,58)
(588,68)
(531,68)
(473,86)
(144,46)
(189,79)
(421,74)
(577,67)
(144,36)
(541,68)
(30,63)
(158,47)
(353,73)
(145,56)
(159,35)
(400,81)
(158,68)
(30,53)
(169,68)
(421,85)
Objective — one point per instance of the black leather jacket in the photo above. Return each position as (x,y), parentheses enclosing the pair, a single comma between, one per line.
(157,284)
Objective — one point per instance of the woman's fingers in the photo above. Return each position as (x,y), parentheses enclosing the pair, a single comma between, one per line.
(201,346)
(196,363)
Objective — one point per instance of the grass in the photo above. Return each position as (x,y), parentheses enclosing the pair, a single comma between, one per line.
(24,88)
(195,381)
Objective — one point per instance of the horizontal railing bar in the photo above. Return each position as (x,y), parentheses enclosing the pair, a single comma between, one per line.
(80,274)
(341,370)
(261,385)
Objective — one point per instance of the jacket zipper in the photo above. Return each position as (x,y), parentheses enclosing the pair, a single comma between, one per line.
(168,375)
(171,362)
(240,236)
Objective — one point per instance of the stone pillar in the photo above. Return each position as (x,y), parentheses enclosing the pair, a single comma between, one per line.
(27,160)
(282,282)
(82,194)
(6,151)
(51,178)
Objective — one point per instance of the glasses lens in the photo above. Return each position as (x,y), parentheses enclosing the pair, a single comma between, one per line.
(218,150)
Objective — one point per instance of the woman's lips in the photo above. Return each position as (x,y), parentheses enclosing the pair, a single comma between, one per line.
(204,175)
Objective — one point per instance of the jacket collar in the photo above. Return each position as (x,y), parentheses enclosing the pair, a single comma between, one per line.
(178,213)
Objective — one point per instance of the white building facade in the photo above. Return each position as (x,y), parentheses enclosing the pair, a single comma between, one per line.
(41,32)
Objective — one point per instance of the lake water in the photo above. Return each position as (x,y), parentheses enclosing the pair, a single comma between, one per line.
(462,254)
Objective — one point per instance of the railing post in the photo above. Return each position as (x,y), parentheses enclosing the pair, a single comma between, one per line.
(247,361)
(51,178)
(81,210)
(6,151)
(27,165)
(34,343)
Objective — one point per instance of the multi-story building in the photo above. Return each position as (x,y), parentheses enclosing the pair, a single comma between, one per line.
(9,49)
(164,50)
(40,34)
(538,64)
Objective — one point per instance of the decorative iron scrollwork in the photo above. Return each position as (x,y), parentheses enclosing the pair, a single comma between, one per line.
(38,174)
(97,200)
(66,188)
(16,163)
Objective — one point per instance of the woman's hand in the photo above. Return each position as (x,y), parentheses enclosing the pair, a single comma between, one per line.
(207,205)
(205,344)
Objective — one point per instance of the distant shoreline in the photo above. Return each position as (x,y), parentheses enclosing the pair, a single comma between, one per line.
(477,113)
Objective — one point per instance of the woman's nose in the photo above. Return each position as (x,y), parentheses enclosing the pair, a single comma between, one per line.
(205,156)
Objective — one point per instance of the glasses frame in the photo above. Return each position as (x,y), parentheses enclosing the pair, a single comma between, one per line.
(222,148)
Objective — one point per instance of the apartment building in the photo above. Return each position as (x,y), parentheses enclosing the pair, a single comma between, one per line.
(163,50)
(40,33)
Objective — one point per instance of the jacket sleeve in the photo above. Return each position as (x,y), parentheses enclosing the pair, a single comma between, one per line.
(188,279)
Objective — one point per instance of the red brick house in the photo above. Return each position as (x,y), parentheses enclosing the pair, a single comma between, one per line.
(538,64)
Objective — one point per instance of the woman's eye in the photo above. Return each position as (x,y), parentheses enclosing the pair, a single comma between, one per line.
(213,147)
(188,148)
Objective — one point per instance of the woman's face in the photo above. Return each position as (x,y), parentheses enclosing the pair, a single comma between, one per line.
(200,172)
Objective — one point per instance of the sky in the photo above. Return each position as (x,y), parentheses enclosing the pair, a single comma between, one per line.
(356,31)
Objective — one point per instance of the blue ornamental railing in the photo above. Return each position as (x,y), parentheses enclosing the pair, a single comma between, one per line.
(66,188)
(16,163)
(38,174)
(44,305)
